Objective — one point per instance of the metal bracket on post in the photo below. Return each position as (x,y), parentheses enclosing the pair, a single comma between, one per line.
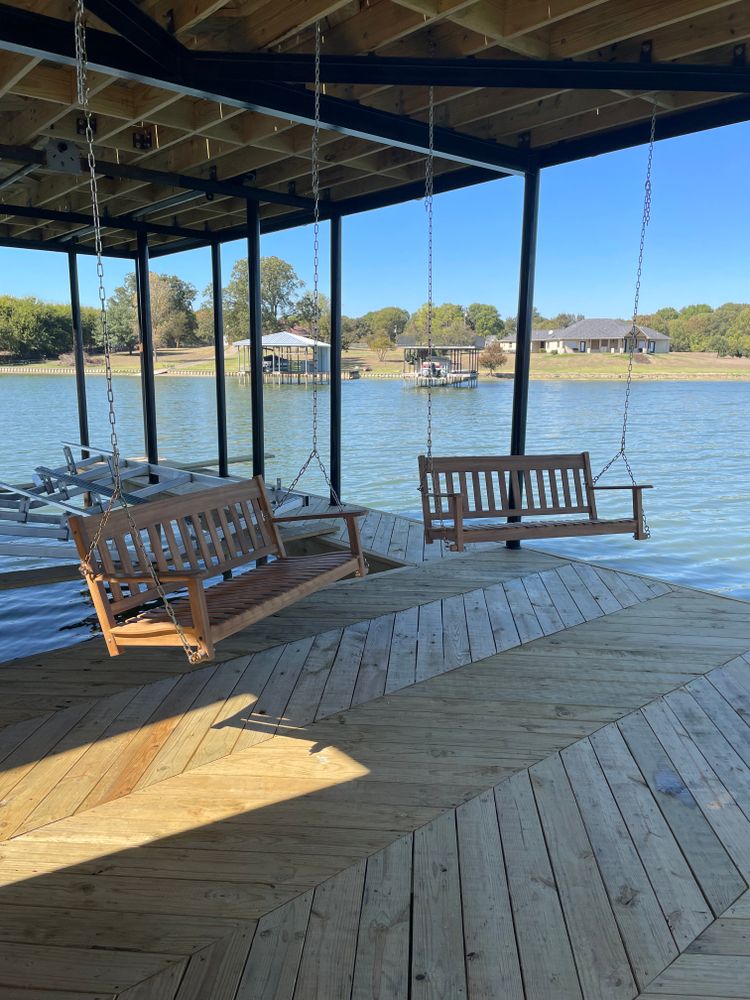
(739,55)
(647,51)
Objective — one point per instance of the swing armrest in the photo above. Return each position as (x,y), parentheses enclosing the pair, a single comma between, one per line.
(429,493)
(323,514)
(634,486)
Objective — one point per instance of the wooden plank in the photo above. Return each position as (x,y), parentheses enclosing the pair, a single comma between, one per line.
(597,588)
(456,648)
(402,662)
(215,971)
(177,750)
(502,621)
(373,666)
(339,688)
(729,822)
(725,976)
(45,776)
(583,598)
(481,639)
(602,963)
(84,969)
(230,720)
(566,607)
(686,909)
(645,933)
(709,861)
(549,971)
(543,605)
(268,713)
(524,616)
(430,641)
(162,986)
(437,956)
(724,760)
(492,964)
(274,957)
(303,704)
(123,774)
(381,968)
(722,714)
(327,963)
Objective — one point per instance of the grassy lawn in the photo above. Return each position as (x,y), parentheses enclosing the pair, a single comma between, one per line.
(544,366)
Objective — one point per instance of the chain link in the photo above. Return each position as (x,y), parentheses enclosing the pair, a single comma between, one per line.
(645,220)
(315,458)
(82,89)
(429,191)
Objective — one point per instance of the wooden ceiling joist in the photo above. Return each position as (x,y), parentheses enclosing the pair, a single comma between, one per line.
(374,153)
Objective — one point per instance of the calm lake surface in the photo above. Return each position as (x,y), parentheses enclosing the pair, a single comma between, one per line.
(690,439)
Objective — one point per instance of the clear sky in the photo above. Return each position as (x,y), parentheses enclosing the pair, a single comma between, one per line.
(588,240)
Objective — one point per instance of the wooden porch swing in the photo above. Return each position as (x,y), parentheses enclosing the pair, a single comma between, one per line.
(136,556)
(463,497)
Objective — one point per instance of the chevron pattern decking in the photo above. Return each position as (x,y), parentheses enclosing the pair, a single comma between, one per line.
(496,785)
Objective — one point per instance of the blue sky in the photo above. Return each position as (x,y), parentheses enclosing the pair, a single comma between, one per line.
(587,251)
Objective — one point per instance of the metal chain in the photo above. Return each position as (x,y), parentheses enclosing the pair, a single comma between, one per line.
(429,191)
(315,457)
(118,493)
(645,220)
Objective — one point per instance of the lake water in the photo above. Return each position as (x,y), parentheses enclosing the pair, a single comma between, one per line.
(690,439)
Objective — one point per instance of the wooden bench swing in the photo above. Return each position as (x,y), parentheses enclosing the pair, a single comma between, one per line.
(190,540)
(133,556)
(460,494)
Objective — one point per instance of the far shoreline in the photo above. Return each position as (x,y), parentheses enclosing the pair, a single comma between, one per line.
(31,371)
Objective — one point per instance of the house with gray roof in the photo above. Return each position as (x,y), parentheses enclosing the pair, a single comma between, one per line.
(593,336)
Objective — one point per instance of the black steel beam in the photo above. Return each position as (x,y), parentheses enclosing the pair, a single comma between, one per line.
(78,353)
(563,74)
(14,243)
(146,346)
(335,373)
(452,181)
(143,33)
(221,389)
(126,222)
(49,38)
(255,334)
(107,168)
(669,125)
(523,331)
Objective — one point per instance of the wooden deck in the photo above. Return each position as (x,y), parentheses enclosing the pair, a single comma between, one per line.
(494,775)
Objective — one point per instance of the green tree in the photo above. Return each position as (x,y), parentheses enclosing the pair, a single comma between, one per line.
(304,315)
(448,325)
(122,317)
(381,343)
(484,320)
(738,335)
(352,330)
(390,321)
(564,319)
(493,356)
(279,285)
(172,315)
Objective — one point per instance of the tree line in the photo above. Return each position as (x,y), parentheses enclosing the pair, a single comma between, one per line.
(32,329)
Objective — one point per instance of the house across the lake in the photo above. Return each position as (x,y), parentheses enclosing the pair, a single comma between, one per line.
(593,336)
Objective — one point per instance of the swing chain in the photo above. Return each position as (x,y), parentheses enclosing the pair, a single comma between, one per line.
(83,94)
(429,190)
(645,220)
(314,456)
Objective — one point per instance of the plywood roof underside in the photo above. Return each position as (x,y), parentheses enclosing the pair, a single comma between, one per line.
(194,136)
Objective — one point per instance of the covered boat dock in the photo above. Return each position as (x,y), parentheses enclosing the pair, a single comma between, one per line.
(497,774)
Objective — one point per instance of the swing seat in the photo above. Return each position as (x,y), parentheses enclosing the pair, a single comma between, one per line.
(191,540)
(462,490)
